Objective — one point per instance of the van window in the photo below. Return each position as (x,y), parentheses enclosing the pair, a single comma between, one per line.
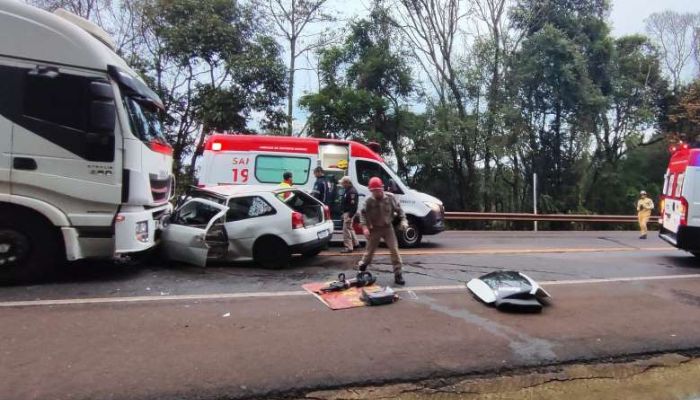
(62,100)
(241,208)
(269,169)
(679,185)
(368,169)
(672,184)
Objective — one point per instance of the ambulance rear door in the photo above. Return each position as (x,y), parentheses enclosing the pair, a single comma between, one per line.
(673,207)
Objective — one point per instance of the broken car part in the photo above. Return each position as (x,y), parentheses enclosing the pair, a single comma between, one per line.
(379,298)
(509,291)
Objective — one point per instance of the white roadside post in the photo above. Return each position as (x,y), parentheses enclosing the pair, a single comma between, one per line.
(534,196)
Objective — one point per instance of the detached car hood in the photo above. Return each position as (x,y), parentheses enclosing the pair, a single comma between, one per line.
(509,291)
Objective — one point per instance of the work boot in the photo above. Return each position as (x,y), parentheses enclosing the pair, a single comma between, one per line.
(362,267)
(398,279)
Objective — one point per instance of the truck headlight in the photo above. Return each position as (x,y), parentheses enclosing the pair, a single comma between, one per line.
(142,231)
(434,206)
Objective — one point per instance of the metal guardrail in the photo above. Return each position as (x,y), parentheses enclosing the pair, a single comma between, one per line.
(483,216)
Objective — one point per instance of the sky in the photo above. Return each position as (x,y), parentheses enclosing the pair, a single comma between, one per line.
(626,17)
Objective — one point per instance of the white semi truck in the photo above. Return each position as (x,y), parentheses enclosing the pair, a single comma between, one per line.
(85,170)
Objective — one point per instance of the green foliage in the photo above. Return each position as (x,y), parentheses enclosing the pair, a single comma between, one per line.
(365,82)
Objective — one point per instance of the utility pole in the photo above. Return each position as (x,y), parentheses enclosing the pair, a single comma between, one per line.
(534,197)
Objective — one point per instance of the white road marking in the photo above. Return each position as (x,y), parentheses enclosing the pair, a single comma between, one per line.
(297,293)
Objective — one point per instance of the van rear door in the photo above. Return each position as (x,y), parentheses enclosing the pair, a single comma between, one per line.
(673,207)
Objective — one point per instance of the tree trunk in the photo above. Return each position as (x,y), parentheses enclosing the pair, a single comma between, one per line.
(290,89)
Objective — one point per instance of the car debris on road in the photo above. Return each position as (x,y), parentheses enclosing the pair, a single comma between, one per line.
(509,291)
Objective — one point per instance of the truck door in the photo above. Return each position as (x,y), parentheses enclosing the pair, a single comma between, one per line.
(64,143)
(195,232)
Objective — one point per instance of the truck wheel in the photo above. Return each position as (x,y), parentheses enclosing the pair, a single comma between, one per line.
(411,237)
(271,252)
(29,249)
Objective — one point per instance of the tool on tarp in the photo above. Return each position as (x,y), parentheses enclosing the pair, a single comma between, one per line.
(363,278)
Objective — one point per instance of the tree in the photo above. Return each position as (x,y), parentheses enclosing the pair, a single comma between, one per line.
(432,27)
(633,102)
(233,68)
(291,19)
(365,84)
(677,37)
(684,115)
(89,9)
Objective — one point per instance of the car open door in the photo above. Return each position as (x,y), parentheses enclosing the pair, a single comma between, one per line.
(185,237)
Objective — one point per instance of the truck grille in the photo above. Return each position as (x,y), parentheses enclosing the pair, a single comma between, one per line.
(160,188)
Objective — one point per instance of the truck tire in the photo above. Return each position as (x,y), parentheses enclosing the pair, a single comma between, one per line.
(29,248)
(411,237)
(271,252)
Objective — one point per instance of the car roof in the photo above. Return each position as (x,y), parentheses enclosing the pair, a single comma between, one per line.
(235,190)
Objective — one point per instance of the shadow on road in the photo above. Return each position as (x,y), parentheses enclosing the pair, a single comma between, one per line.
(683,261)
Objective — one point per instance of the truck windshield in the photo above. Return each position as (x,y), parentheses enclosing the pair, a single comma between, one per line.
(144,120)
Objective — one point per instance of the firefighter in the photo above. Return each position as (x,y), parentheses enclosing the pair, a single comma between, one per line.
(320,191)
(644,207)
(349,209)
(377,217)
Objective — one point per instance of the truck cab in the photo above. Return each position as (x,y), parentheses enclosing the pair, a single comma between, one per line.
(257,159)
(84,167)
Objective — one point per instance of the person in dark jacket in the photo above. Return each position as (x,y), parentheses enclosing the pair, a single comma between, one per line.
(320,191)
(348,206)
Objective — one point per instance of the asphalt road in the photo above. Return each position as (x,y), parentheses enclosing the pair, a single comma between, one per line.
(228,331)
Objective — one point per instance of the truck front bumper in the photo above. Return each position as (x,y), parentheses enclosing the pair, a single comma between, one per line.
(126,222)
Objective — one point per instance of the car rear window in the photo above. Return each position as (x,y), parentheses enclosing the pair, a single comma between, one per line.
(301,202)
(240,208)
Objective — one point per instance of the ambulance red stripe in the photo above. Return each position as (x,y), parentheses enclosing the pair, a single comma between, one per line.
(282,144)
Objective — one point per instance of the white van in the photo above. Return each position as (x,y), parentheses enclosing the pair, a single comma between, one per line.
(680,200)
(254,159)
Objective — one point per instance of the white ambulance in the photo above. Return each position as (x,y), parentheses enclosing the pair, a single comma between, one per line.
(255,159)
(680,200)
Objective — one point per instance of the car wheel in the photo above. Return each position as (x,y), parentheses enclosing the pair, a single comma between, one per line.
(271,252)
(29,249)
(411,237)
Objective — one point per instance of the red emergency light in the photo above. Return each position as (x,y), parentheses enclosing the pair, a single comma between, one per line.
(160,147)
